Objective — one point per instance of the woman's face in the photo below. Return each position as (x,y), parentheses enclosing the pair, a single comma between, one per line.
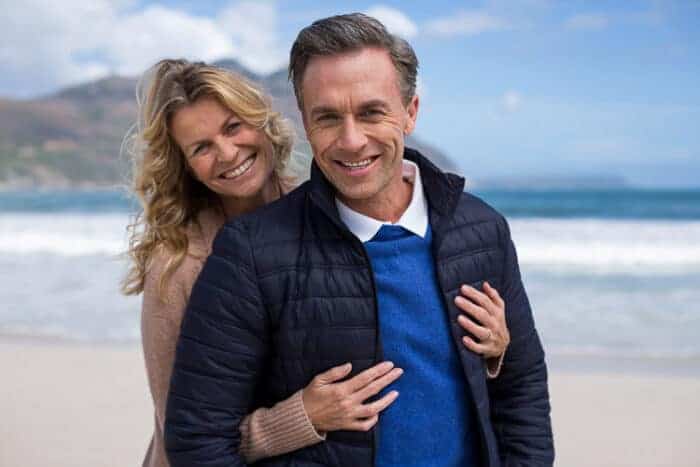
(229,156)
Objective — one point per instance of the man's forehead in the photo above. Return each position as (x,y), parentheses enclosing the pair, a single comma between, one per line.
(358,75)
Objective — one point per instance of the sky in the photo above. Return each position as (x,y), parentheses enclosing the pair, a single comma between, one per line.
(517,88)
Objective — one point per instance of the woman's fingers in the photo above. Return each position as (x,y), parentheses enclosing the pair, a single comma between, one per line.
(338,405)
(480,332)
(364,425)
(475,311)
(494,296)
(374,408)
(377,385)
(334,374)
(362,379)
(474,346)
(478,297)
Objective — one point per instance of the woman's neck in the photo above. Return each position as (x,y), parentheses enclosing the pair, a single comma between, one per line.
(270,192)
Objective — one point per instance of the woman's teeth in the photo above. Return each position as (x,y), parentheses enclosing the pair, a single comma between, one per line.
(240,170)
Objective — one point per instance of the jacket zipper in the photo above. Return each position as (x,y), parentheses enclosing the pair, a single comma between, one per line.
(378,352)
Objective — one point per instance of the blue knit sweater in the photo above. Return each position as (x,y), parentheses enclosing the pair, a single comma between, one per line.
(431,422)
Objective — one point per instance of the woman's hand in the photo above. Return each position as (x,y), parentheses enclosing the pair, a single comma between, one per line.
(333,405)
(488,320)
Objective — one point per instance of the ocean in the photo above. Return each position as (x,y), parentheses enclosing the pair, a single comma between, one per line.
(608,272)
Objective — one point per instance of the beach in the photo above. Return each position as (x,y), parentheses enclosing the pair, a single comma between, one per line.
(614,299)
(70,404)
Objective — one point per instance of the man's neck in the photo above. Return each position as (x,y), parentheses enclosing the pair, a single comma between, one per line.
(387,206)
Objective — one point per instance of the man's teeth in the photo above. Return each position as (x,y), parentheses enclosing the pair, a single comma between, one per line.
(240,170)
(358,164)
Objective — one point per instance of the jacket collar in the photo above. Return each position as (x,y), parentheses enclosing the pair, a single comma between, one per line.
(442,190)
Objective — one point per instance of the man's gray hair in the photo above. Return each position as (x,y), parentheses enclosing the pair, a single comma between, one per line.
(346,33)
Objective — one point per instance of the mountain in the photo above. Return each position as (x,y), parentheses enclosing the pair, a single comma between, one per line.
(73,137)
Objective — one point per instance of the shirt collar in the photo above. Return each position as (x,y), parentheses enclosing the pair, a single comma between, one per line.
(414,219)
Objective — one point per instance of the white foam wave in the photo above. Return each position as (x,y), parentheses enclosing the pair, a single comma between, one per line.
(608,246)
(558,245)
(63,234)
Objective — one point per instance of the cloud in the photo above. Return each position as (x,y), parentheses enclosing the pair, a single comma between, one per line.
(47,45)
(587,22)
(511,101)
(395,20)
(466,23)
(253,28)
(158,32)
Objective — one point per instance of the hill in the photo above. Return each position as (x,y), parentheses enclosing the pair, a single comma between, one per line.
(72,138)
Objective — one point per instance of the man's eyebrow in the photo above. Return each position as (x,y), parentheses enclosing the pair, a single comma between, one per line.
(323,109)
(374,103)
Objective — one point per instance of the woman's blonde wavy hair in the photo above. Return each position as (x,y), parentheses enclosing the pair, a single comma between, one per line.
(171,198)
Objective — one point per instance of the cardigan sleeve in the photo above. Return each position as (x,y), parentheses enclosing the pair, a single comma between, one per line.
(283,428)
(264,433)
(494,365)
(160,326)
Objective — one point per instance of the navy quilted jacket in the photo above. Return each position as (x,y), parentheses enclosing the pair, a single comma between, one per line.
(288,292)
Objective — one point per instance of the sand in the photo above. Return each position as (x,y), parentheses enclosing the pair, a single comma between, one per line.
(75,405)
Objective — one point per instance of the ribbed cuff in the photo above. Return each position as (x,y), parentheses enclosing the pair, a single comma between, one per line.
(283,428)
(494,374)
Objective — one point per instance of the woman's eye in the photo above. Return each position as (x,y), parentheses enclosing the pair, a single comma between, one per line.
(231,127)
(201,149)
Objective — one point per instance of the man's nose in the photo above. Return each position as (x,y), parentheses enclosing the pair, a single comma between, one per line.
(352,137)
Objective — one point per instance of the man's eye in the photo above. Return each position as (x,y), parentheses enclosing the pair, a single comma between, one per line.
(371,113)
(326,118)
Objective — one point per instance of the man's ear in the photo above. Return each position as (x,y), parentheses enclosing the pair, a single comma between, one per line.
(412,110)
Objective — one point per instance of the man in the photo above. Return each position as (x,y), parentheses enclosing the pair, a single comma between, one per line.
(362,263)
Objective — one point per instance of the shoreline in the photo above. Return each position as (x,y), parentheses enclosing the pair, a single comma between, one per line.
(561,363)
(75,404)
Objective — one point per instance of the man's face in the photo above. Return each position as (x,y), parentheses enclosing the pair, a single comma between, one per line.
(355,121)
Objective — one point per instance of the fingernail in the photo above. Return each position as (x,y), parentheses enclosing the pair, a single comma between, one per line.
(459,299)
(399,371)
(486,283)
(462,318)
(387,365)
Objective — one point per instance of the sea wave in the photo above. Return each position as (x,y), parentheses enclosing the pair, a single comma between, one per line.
(63,234)
(595,286)
(608,246)
(564,245)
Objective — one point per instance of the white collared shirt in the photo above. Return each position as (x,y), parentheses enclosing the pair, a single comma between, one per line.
(414,218)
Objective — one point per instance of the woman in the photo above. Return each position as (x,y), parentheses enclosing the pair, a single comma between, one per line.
(210,148)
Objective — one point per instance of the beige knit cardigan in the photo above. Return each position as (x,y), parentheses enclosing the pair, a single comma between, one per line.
(266,432)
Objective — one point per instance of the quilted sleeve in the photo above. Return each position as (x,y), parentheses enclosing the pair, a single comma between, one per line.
(520,409)
(219,358)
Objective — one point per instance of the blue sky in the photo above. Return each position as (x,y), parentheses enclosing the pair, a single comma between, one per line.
(508,88)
